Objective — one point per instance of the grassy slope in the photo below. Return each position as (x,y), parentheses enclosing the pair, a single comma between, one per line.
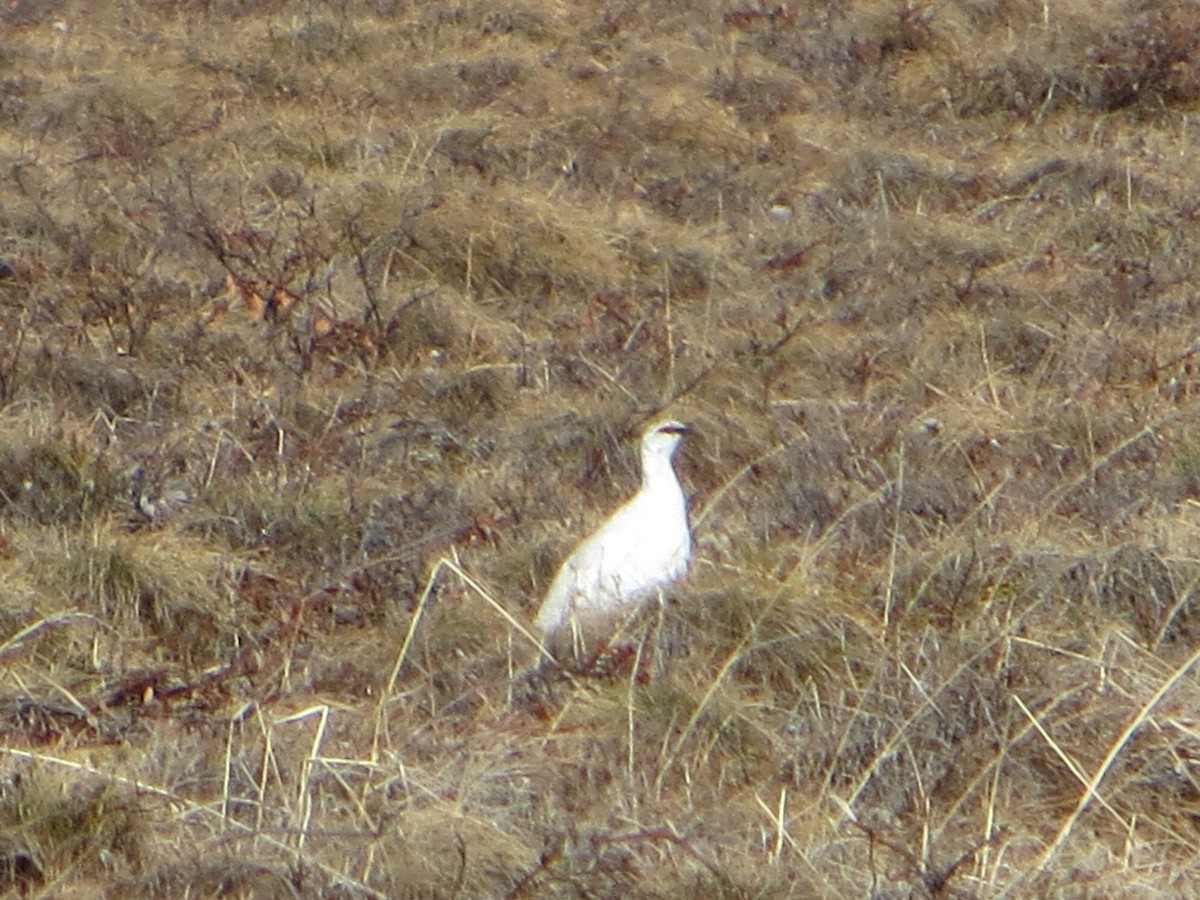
(299,300)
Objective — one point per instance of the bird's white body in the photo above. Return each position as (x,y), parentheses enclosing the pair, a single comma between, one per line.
(644,545)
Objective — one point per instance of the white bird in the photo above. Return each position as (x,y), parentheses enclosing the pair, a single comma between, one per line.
(644,546)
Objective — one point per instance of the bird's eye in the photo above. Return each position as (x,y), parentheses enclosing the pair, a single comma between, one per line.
(673,429)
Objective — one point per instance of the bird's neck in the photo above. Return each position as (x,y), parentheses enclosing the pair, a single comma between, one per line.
(658,474)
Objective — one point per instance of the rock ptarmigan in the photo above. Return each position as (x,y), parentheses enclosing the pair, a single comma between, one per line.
(642,547)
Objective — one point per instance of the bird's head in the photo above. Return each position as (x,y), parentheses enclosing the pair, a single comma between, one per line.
(662,438)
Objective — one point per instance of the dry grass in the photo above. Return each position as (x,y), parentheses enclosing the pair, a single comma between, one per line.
(324,329)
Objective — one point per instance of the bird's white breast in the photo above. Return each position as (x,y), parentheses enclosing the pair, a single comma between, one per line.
(643,546)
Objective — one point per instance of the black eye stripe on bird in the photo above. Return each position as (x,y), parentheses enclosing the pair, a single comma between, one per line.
(643,546)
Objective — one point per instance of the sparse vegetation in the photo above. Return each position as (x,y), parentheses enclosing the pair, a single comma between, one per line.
(324,329)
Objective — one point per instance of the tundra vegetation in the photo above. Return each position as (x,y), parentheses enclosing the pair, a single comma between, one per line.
(325,330)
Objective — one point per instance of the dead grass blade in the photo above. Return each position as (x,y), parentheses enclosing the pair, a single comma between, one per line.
(418,612)
(189,807)
(33,628)
(1092,785)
